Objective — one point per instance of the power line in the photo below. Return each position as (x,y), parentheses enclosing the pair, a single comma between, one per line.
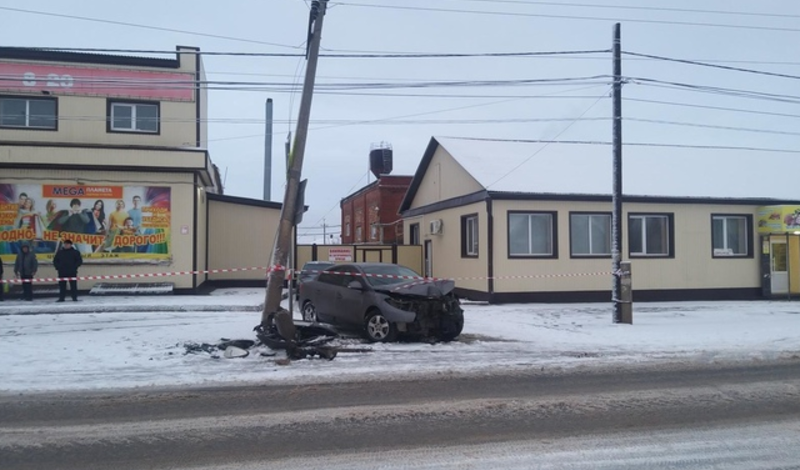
(426,113)
(349,191)
(599,98)
(715,90)
(716,66)
(575,17)
(573,54)
(155,28)
(716,108)
(371,55)
(630,144)
(711,126)
(173,84)
(640,8)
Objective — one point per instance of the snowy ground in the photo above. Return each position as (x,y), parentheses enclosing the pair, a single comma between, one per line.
(130,342)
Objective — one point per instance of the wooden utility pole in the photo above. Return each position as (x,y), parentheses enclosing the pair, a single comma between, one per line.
(289,211)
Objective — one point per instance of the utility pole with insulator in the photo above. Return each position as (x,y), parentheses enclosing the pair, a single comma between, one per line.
(289,211)
(616,194)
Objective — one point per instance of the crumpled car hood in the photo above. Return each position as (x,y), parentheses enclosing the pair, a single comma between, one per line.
(427,289)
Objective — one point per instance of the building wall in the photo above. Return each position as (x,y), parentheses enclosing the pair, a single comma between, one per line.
(444,179)
(446,247)
(182,193)
(392,191)
(82,119)
(375,205)
(692,266)
(240,236)
(60,156)
(407,255)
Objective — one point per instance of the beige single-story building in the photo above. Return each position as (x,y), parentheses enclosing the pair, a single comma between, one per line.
(475,209)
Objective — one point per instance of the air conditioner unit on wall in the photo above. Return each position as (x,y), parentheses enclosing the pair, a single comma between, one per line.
(436,227)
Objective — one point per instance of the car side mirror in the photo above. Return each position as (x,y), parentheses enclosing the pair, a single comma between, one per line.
(355,285)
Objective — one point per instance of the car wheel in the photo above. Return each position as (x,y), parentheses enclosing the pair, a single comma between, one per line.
(379,329)
(450,329)
(309,312)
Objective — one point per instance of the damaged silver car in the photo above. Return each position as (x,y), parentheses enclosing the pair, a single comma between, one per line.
(384,300)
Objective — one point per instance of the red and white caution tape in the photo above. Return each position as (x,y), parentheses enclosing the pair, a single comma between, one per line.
(142,275)
(289,275)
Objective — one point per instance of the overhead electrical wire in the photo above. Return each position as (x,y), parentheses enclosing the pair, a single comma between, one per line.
(630,144)
(371,55)
(565,129)
(589,54)
(715,108)
(715,66)
(328,123)
(155,28)
(438,111)
(349,191)
(760,95)
(710,126)
(573,17)
(174,84)
(339,122)
(639,8)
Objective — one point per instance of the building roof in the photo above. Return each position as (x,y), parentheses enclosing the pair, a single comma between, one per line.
(244,201)
(53,55)
(529,167)
(378,182)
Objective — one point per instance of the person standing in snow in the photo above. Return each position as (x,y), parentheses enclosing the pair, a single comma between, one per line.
(25,267)
(67,261)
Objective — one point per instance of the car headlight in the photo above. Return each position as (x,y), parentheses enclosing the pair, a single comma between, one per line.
(400,304)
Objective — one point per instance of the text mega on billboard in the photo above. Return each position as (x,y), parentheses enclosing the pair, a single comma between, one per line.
(71,80)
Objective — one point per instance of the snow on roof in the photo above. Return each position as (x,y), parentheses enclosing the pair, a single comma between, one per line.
(569,169)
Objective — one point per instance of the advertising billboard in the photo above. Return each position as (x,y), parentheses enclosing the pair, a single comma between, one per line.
(84,81)
(105,222)
(778,219)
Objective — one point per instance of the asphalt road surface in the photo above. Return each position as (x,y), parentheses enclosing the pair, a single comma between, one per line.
(730,417)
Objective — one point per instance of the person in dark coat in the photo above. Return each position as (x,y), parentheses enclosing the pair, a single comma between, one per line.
(67,261)
(25,267)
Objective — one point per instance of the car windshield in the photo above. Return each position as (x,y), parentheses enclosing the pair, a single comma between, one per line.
(396,272)
(315,268)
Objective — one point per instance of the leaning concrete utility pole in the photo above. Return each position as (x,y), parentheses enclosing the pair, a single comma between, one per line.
(283,242)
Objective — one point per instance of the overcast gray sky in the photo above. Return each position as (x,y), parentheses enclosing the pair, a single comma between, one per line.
(762,35)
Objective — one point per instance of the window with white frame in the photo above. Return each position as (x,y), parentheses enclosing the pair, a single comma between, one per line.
(358,233)
(469,236)
(729,235)
(28,113)
(590,234)
(133,117)
(649,234)
(531,234)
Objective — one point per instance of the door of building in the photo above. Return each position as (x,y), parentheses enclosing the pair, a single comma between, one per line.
(779,266)
(428,259)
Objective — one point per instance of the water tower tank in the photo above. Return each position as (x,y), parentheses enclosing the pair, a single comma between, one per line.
(380,159)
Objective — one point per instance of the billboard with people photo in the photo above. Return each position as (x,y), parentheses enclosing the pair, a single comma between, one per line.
(104,222)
